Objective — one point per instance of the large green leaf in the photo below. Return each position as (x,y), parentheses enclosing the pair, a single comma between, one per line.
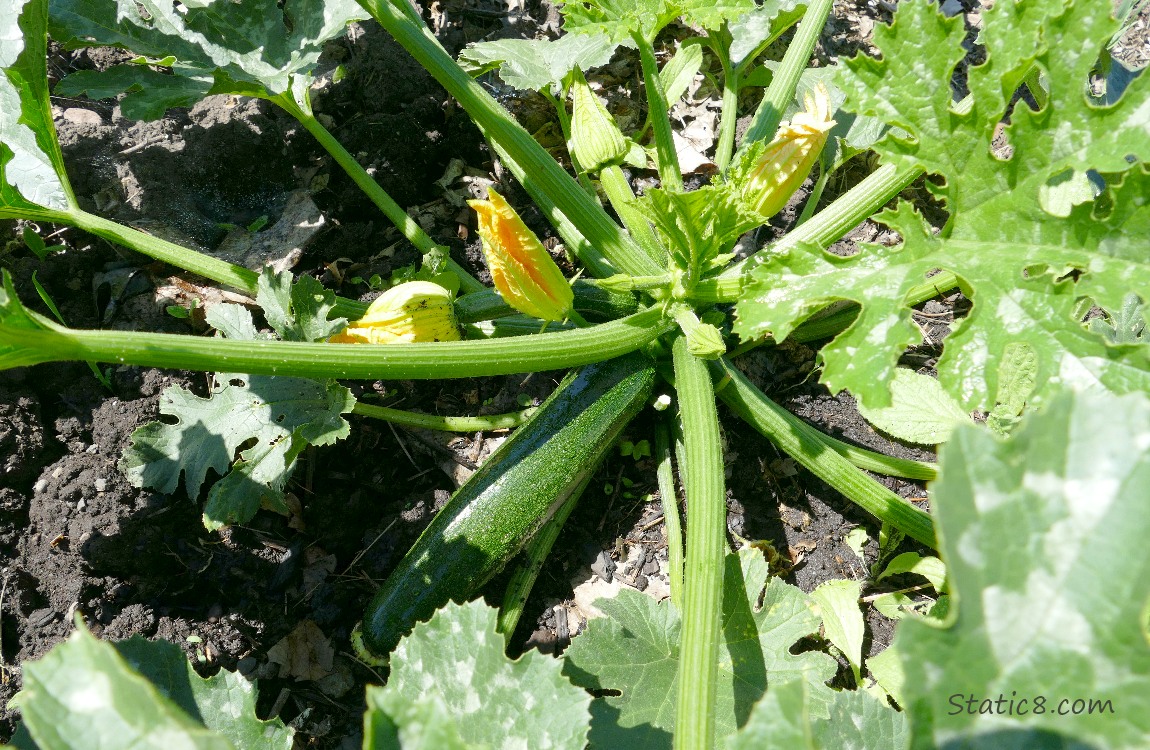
(787,719)
(31,168)
(1024,268)
(619,19)
(635,650)
(88,695)
(535,64)
(282,415)
(1044,537)
(452,686)
(253,47)
(753,30)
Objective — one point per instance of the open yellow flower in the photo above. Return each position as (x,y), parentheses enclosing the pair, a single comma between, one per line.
(522,269)
(787,160)
(410,312)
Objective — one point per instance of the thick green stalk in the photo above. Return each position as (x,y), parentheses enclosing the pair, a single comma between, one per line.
(372,189)
(43,341)
(725,146)
(669,173)
(824,229)
(786,78)
(168,252)
(539,173)
(706,547)
(444,424)
(622,199)
(672,523)
(798,440)
(194,261)
(873,461)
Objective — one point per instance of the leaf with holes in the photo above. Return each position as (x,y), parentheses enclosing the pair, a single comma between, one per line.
(281,415)
(1025,270)
(255,48)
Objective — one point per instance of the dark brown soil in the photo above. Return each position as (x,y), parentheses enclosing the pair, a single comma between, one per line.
(75,537)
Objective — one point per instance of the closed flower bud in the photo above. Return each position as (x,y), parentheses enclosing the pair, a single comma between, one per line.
(411,312)
(522,269)
(787,160)
(596,140)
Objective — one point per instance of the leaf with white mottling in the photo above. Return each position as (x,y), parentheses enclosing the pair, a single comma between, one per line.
(255,47)
(787,718)
(32,173)
(452,686)
(1044,537)
(1023,268)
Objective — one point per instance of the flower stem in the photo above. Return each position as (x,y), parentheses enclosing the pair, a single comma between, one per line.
(730,113)
(786,78)
(607,247)
(444,424)
(669,173)
(372,189)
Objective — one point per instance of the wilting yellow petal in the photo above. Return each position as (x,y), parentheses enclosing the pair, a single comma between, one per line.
(410,312)
(522,269)
(787,160)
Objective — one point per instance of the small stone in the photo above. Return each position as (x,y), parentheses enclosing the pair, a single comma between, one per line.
(81,116)
(101,484)
(604,566)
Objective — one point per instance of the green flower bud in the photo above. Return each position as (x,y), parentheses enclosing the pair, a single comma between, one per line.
(596,140)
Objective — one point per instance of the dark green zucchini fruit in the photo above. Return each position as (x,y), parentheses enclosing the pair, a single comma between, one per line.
(520,486)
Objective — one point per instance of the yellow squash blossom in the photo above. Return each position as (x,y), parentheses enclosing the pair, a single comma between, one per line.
(787,160)
(410,312)
(522,269)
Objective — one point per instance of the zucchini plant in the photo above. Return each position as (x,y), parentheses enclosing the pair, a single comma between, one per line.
(660,277)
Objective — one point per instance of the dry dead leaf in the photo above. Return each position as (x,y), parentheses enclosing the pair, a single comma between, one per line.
(305,653)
